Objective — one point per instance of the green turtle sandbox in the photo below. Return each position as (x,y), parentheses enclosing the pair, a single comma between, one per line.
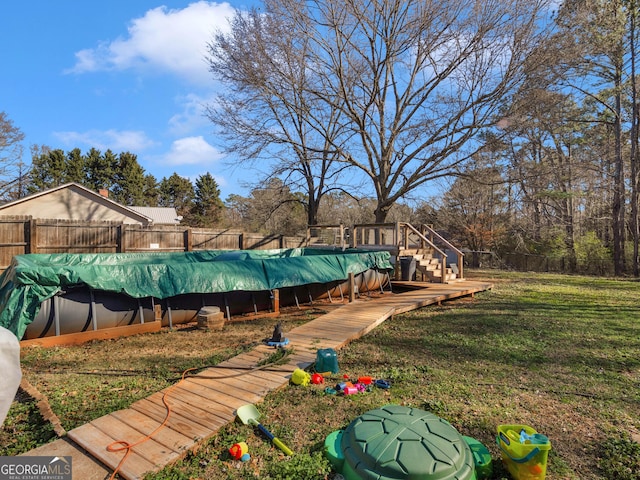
(396,442)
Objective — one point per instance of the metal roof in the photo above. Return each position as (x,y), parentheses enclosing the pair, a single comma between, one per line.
(160,215)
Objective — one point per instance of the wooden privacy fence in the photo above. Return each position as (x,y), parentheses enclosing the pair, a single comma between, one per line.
(25,234)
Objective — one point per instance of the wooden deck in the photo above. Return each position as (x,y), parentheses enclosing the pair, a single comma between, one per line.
(203,403)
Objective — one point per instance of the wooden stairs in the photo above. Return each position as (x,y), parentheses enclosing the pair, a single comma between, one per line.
(430,250)
(429,267)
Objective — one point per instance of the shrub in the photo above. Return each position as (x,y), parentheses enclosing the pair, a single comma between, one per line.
(592,257)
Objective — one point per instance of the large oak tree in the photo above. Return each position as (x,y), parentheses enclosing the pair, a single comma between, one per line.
(409,84)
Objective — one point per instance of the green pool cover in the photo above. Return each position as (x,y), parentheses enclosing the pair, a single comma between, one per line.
(33,278)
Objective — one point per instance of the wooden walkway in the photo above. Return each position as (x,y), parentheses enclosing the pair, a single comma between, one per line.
(201,404)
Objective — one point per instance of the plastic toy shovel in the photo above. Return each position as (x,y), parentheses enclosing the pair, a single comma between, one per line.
(249,415)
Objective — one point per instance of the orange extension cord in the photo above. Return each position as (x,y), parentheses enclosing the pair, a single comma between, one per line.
(120,445)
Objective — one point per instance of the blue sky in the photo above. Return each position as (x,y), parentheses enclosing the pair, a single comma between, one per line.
(128,75)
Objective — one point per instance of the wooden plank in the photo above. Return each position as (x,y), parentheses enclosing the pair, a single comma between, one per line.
(328,332)
(164,435)
(313,335)
(283,371)
(83,337)
(301,360)
(254,357)
(84,466)
(230,386)
(309,341)
(153,451)
(304,341)
(239,364)
(180,420)
(262,355)
(358,330)
(349,320)
(250,380)
(197,408)
(95,441)
(249,359)
(339,333)
(225,396)
(239,371)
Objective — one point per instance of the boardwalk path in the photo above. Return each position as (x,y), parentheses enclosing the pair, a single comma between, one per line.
(202,404)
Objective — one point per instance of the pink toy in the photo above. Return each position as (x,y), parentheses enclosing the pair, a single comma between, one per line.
(350,390)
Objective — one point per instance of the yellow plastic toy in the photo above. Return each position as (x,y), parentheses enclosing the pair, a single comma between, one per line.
(300,377)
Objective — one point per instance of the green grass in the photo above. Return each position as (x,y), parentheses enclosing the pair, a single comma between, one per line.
(558,353)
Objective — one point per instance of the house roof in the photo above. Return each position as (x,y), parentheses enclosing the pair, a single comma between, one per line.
(160,215)
(85,192)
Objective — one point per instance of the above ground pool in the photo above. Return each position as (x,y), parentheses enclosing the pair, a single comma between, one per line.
(54,294)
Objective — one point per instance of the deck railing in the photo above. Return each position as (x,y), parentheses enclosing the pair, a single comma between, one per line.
(397,238)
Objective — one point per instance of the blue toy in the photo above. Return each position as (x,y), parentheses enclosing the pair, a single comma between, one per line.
(278,344)
(536,438)
(380,383)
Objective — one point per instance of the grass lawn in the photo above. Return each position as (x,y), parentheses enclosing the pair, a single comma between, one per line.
(559,353)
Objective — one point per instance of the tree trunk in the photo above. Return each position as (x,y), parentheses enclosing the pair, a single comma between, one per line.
(567,206)
(312,209)
(618,186)
(381,213)
(635,227)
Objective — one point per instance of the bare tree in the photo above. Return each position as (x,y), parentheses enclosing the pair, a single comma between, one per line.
(12,170)
(267,111)
(414,81)
(475,207)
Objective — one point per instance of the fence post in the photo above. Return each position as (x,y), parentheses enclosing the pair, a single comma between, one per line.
(31,236)
(122,238)
(275,300)
(352,287)
(241,241)
(188,240)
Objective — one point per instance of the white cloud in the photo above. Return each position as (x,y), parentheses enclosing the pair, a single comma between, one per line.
(191,151)
(116,140)
(220,180)
(192,116)
(171,40)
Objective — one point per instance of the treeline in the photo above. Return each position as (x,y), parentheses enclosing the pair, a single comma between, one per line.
(484,209)
(126,181)
(271,208)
